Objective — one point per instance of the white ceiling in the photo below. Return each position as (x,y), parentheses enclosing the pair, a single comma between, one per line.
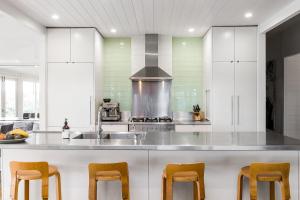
(134,17)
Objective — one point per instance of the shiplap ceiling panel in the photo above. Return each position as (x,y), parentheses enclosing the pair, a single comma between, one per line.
(135,17)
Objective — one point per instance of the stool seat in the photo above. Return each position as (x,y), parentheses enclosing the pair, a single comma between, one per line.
(34,174)
(266,177)
(108,175)
(188,176)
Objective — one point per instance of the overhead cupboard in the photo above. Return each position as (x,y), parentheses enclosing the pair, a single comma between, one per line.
(230,62)
(71,74)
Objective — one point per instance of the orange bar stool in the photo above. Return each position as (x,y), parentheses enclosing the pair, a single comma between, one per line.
(183,173)
(266,172)
(108,172)
(27,171)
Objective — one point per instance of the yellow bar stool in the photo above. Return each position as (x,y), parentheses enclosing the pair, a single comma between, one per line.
(183,173)
(108,172)
(266,172)
(28,171)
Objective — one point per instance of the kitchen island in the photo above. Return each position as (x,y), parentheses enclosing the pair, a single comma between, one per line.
(147,155)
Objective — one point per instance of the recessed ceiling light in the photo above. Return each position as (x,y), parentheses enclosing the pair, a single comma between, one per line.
(191,30)
(122,43)
(113,30)
(55,16)
(183,43)
(248,14)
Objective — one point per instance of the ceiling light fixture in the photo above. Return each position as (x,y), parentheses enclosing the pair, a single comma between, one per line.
(55,16)
(113,30)
(191,30)
(248,15)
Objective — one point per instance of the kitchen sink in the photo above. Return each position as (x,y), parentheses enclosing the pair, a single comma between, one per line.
(113,135)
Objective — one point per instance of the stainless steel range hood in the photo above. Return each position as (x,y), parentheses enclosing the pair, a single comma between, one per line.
(151,71)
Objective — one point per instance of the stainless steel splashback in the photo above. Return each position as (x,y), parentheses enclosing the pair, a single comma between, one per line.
(151,98)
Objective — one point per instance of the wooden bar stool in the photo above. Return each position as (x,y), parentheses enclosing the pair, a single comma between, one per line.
(183,173)
(33,171)
(108,172)
(266,172)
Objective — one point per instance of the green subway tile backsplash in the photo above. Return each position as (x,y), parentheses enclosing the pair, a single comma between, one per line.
(117,70)
(187,73)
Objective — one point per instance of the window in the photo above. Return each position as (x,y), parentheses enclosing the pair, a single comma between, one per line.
(30,97)
(10,99)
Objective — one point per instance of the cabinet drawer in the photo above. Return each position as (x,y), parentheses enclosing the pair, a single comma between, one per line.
(121,128)
(193,128)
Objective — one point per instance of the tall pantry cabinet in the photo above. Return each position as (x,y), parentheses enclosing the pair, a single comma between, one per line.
(230,63)
(74,67)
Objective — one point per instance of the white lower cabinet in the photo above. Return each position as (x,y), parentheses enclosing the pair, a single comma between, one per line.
(70,94)
(193,128)
(117,128)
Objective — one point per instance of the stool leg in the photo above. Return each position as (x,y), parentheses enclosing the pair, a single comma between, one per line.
(26,189)
(14,188)
(169,189)
(163,190)
(201,188)
(92,189)
(253,189)
(272,190)
(196,190)
(240,187)
(285,190)
(58,186)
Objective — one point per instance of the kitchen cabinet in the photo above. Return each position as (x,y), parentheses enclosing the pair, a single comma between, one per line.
(70,94)
(231,56)
(71,45)
(82,45)
(58,45)
(223,96)
(193,128)
(245,93)
(223,44)
(73,77)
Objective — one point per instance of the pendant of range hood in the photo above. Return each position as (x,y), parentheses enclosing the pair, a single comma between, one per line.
(151,71)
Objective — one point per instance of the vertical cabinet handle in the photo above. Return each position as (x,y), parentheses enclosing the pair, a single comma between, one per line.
(206,101)
(238,110)
(90,110)
(232,105)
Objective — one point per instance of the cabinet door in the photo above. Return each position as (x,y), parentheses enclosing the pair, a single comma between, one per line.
(82,44)
(193,128)
(246,96)
(223,44)
(70,96)
(223,99)
(246,44)
(59,45)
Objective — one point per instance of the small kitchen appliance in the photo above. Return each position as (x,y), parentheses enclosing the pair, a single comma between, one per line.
(110,111)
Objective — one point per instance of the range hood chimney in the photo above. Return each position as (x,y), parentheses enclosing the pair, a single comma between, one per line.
(151,71)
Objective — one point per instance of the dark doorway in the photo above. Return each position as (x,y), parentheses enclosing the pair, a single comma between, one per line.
(281,42)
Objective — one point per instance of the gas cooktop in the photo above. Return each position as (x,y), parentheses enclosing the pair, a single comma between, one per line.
(151,119)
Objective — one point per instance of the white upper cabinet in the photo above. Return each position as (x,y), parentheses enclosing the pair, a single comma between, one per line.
(67,45)
(59,45)
(245,44)
(223,44)
(82,45)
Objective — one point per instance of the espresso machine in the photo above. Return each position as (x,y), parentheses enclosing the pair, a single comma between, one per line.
(110,111)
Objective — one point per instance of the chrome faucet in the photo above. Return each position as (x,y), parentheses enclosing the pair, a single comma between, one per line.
(99,123)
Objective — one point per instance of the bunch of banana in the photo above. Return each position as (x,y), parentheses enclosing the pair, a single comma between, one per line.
(20,132)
